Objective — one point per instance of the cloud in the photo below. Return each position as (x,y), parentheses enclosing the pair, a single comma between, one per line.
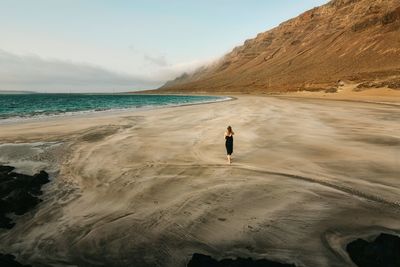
(172,71)
(31,72)
(164,70)
(156,60)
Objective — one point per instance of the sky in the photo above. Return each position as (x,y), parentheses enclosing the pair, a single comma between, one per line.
(117,45)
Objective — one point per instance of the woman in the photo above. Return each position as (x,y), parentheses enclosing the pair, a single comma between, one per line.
(229,143)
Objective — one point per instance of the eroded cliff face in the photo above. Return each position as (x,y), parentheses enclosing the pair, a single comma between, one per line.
(355,40)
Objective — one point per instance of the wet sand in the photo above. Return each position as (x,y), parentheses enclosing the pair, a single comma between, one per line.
(150,188)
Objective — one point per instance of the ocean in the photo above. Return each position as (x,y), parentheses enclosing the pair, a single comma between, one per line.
(41,105)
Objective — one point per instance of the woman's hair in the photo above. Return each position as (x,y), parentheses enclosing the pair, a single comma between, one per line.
(229,130)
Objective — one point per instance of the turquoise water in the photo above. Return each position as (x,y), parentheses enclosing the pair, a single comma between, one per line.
(33,105)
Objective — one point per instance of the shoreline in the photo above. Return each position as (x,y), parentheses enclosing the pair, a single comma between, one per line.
(95,113)
(228,96)
(346,92)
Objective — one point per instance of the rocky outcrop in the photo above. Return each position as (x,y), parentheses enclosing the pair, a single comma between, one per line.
(391,83)
(200,260)
(384,251)
(18,193)
(354,40)
(8,260)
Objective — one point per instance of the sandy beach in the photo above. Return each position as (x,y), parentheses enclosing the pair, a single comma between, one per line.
(150,188)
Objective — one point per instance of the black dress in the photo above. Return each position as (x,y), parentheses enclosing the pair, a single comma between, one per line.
(229,144)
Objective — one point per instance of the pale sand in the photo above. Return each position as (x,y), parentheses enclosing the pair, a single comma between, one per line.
(150,188)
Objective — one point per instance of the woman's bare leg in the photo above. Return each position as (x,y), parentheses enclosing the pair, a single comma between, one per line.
(229,159)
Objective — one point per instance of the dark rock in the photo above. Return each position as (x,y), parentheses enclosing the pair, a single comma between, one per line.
(384,251)
(33,183)
(18,193)
(21,201)
(365,24)
(331,90)
(366,85)
(7,187)
(391,16)
(42,177)
(6,223)
(38,180)
(392,84)
(4,170)
(199,260)
(4,207)
(4,173)
(295,42)
(8,260)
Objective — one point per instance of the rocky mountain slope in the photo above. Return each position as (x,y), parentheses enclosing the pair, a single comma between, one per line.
(348,40)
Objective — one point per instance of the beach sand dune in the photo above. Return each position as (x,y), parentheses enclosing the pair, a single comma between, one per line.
(150,188)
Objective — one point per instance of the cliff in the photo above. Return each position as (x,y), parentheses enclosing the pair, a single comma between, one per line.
(350,40)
